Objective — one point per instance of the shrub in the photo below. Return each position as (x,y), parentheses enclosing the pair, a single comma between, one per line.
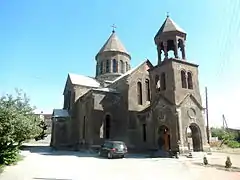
(233,144)
(17,124)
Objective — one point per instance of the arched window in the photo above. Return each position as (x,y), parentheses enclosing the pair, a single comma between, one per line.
(163,81)
(115,66)
(107,126)
(144,129)
(189,80)
(101,67)
(183,79)
(139,93)
(107,66)
(126,66)
(121,66)
(157,83)
(147,90)
(84,128)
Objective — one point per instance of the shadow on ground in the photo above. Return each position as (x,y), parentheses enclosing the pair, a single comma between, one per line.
(47,150)
(220,167)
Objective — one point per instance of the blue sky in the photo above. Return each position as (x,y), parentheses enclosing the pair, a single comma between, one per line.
(43,40)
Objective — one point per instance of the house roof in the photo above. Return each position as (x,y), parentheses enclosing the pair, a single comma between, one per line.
(131,71)
(169,26)
(83,80)
(113,44)
(60,113)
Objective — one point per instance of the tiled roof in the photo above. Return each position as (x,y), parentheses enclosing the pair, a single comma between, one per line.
(113,44)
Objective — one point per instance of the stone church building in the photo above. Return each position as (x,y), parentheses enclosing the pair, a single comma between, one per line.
(147,107)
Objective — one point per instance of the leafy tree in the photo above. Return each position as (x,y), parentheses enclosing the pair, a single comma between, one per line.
(217,132)
(17,124)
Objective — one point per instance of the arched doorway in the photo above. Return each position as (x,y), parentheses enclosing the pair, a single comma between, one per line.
(194,137)
(164,138)
(107,128)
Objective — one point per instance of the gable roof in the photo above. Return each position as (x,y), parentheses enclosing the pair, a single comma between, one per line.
(132,70)
(193,98)
(169,26)
(113,44)
(83,80)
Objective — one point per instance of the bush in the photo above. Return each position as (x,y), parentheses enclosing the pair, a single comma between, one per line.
(17,124)
(233,144)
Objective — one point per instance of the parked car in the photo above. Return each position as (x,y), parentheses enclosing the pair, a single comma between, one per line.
(112,149)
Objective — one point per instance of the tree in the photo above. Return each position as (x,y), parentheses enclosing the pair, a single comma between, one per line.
(17,124)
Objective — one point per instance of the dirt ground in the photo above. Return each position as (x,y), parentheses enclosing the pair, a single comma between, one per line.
(41,162)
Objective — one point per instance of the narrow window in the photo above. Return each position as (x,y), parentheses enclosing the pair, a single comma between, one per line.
(121,66)
(139,93)
(107,66)
(157,83)
(183,79)
(107,126)
(144,129)
(126,66)
(101,67)
(147,90)
(84,128)
(163,81)
(189,80)
(115,68)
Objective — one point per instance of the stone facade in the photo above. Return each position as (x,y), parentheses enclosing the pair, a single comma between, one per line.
(148,107)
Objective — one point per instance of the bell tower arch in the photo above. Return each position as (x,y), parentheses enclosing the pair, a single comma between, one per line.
(170,37)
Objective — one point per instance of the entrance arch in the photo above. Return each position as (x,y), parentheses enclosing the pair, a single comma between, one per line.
(194,137)
(107,128)
(164,138)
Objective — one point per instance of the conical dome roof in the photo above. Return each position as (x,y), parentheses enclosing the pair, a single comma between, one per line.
(113,44)
(169,26)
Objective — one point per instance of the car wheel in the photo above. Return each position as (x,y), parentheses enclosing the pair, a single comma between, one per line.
(123,156)
(109,155)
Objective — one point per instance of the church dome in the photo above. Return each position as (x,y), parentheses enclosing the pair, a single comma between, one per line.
(113,44)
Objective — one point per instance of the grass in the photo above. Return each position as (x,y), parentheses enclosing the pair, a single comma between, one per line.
(19,158)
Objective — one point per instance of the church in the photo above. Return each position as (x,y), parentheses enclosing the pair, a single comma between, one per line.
(148,106)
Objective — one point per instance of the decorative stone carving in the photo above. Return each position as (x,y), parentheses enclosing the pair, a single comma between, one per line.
(161,116)
(191,113)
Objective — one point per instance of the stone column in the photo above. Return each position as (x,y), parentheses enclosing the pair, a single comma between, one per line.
(165,50)
(181,143)
(183,50)
(176,48)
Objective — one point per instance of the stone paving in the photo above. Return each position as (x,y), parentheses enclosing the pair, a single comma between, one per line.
(42,163)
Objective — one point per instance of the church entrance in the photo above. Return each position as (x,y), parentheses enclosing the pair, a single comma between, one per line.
(164,138)
(107,127)
(194,137)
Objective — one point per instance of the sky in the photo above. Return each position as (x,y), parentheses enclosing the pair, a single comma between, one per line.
(41,41)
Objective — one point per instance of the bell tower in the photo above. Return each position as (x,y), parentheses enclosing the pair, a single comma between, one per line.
(175,85)
(170,37)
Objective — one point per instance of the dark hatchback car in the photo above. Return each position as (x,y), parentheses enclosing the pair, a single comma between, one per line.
(112,149)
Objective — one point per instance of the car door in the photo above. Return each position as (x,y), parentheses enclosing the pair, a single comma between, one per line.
(106,148)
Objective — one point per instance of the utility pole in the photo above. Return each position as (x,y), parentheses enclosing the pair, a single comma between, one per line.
(206,93)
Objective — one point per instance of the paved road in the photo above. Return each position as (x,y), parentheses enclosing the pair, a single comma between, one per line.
(43,164)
